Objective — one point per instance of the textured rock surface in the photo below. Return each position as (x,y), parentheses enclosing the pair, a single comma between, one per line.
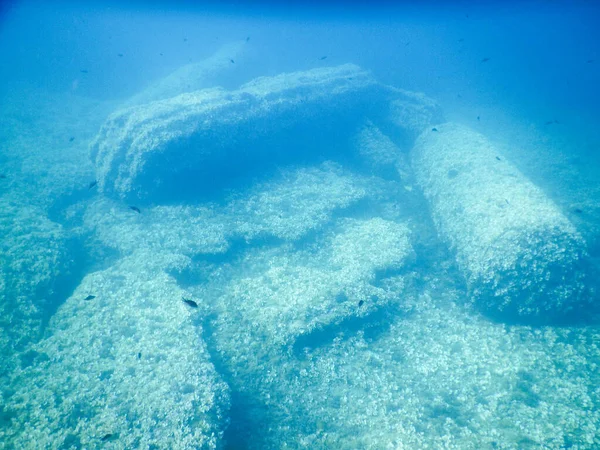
(126,369)
(440,377)
(176,144)
(275,304)
(286,206)
(412,112)
(34,259)
(519,253)
(284,295)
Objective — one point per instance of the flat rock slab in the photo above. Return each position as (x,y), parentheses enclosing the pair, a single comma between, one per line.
(176,148)
(281,296)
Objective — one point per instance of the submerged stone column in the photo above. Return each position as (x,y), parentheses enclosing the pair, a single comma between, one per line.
(519,254)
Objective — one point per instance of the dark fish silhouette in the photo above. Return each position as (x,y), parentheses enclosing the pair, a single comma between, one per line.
(136,209)
(72,138)
(362,302)
(139,355)
(434,129)
(84,71)
(578,210)
(92,184)
(498,158)
(323,58)
(485,60)
(590,61)
(248,38)
(190,303)
(90,297)
(120,55)
(2,176)
(161,54)
(478,117)
(108,437)
(184,39)
(550,122)
(232,61)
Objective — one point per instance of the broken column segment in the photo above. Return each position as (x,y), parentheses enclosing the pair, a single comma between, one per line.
(520,255)
(123,366)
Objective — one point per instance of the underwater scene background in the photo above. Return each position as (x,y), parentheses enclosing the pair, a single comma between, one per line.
(267,226)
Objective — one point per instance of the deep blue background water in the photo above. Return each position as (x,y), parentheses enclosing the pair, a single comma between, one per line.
(538,51)
(525,74)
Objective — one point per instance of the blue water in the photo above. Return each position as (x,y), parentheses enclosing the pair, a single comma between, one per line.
(305,226)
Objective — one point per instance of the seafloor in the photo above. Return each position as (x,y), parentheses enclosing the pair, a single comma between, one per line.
(312,260)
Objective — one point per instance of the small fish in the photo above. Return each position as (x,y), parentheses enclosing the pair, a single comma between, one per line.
(434,129)
(108,437)
(232,61)
(407,44)
(362,302)
(550,122)
(478,118)
(190,303)
(84,71)
(92,184)
(161,54)
(139,355)
(485,60)
(248,38)
(578,210)
(2,176)
(184,39)
(322,58)
(72,138)
(136,209)
(120,55)
(590,61)
(498,158)
(90,297)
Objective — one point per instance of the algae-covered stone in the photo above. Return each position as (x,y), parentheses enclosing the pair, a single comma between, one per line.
(286,206)
(35,259)
(441,377)
(281,294)
(193,76)
(520,255)
(124,369)
(168,148)
(412,112)
(295,202)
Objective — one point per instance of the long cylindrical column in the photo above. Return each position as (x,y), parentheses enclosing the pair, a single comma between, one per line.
(519,253)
